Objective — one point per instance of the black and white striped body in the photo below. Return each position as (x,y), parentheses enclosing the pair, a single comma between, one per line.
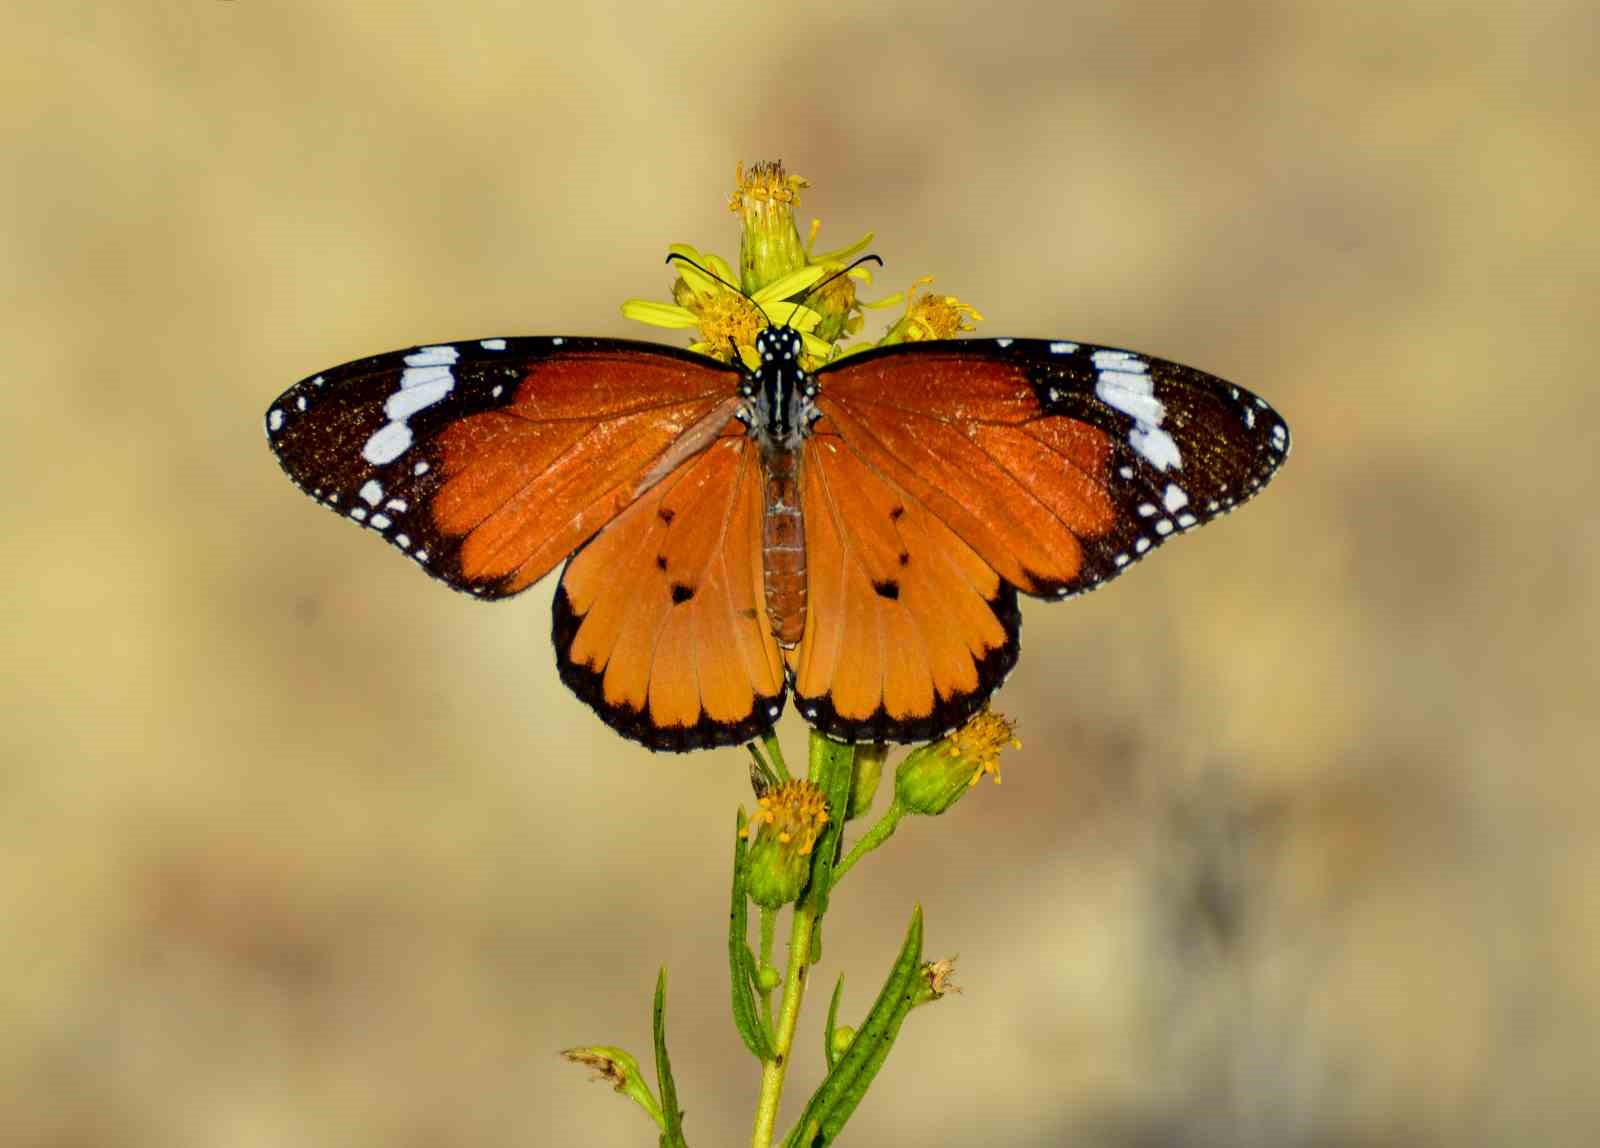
(779,410)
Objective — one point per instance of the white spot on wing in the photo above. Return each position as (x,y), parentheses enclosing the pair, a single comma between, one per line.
(1141,545)
(1063,348)
(387,443)
(420,468)
(301,402)
(492,344)
(1164,526)
(396,504)
(1156,446)
(427,380)
(432,356)
(1131,393)
(275,420)
(380,521)
(1175,498)
(1002,343)
(371,493)
(1147,510)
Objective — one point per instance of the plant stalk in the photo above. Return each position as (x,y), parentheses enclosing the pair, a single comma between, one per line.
(775,1070)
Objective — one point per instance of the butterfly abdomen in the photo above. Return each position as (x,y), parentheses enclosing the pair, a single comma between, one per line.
(783,546)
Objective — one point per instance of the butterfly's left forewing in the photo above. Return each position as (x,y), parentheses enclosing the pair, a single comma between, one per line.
(1061,463)
(489,461)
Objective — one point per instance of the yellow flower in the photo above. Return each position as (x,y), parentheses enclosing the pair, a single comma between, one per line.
(765,197)
(777,281)
(934,777)
(783,831)
(931,316)
(725,318)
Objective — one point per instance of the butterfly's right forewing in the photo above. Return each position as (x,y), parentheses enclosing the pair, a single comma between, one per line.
(490,461)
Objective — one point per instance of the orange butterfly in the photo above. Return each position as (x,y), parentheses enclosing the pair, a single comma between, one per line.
(858,534)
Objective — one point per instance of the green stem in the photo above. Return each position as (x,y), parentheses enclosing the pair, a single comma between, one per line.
(880,832)
(775,755)
(794,987)
(769,929)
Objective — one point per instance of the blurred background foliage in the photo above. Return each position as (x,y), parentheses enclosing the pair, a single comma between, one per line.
(297,848)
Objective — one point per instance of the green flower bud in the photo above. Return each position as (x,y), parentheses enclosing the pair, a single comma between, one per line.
(770,246)
(768,978)
(842,1038)
(782,833)
(935,980)
(934,777)
(868,772)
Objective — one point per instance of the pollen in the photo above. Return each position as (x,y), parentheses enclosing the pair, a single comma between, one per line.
(727,319)
(765,188)
(980,741)
(930,316)
(792,814)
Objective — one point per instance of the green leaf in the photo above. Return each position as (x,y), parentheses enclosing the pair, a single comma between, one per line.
(741,966)
(672,1130)
(618,1068)
(847,1081)
(832,766)
(762,776)
(775,753)
(833,1017)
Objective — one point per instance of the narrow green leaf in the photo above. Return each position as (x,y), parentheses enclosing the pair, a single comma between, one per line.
(832,766)
(775,755)
(833,1017)
(741,966)
(847,1081)
(762,776)
(618,1068)
(672,1132)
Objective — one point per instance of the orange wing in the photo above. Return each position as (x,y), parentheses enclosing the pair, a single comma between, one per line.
(967,438)
(488,462)
(941,478)
(907,628)
(658,620)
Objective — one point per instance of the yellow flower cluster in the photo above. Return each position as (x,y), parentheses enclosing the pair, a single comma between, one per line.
(778,285)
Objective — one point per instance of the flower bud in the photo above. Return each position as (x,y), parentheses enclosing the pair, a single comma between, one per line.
(770,246)
(934,777)
(868,767)
(843,1037)
(782,832)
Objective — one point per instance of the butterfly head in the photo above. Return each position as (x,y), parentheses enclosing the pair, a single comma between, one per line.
(779,394)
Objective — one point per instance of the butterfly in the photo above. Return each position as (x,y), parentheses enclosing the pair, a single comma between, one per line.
(857,535)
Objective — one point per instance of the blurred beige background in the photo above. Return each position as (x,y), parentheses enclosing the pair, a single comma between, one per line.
(296,848)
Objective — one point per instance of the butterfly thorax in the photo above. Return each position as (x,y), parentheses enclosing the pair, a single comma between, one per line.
(779,410)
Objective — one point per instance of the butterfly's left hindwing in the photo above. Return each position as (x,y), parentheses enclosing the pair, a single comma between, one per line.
(489,461)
